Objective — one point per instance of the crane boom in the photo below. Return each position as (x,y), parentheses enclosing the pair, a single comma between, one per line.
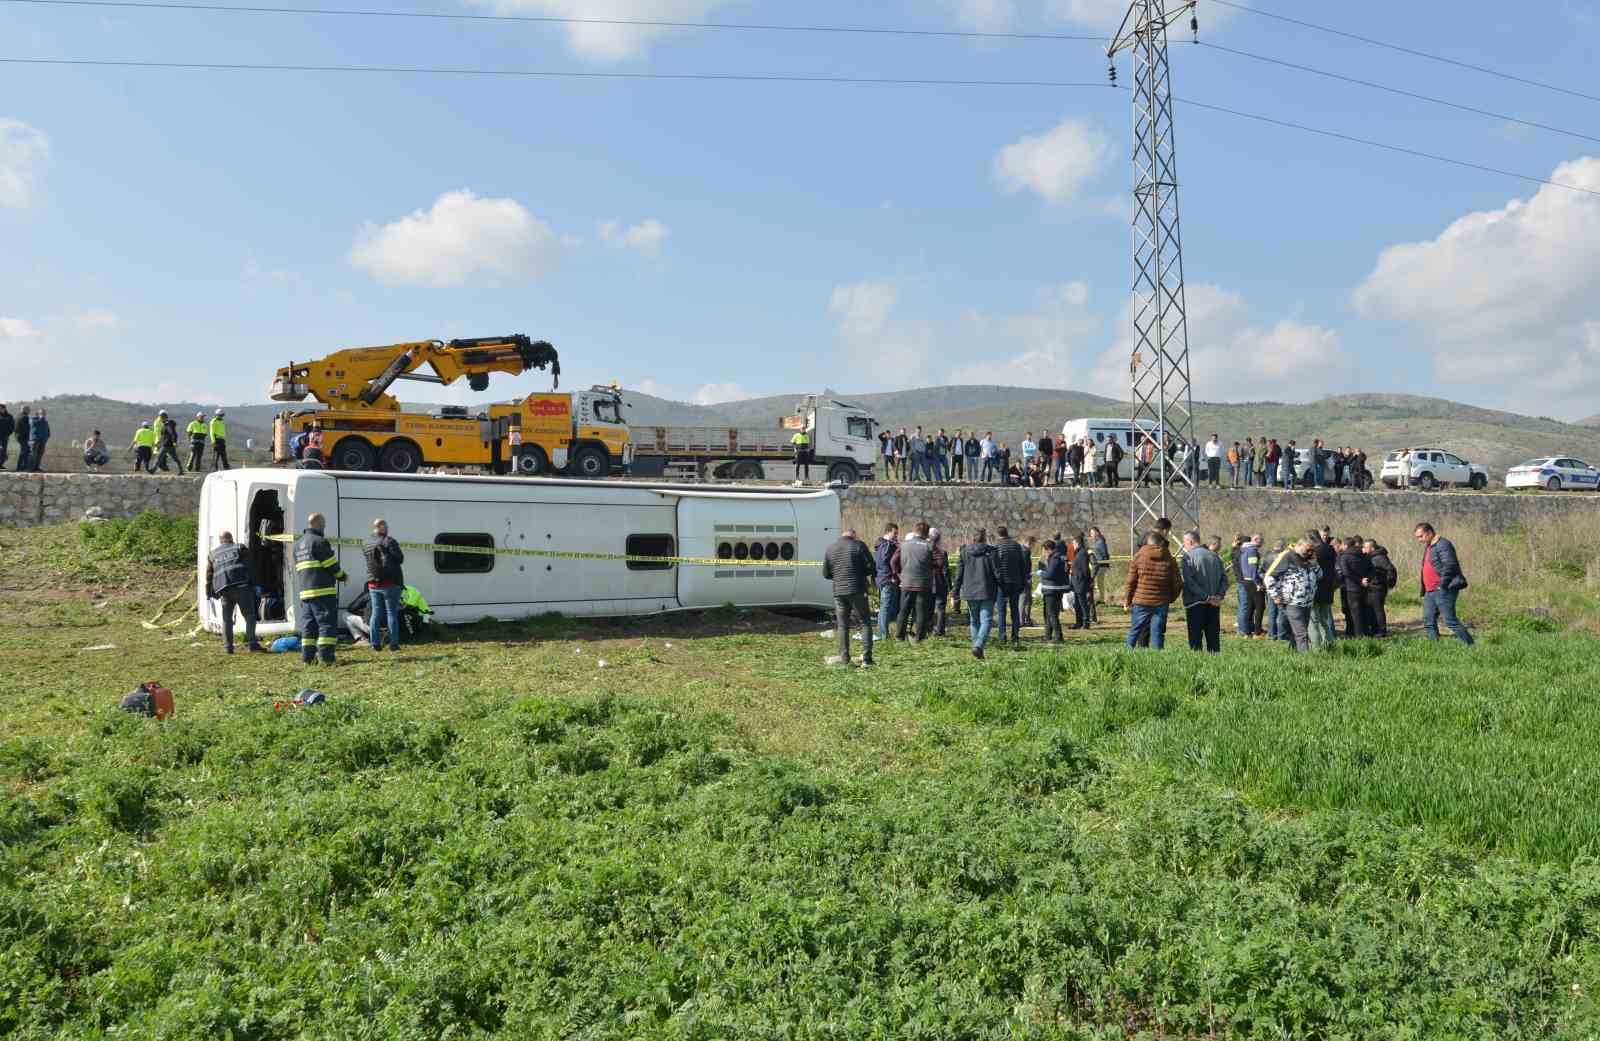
(360,377)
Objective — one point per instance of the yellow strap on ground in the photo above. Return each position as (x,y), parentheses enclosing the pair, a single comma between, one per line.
(516,551)
(155,621)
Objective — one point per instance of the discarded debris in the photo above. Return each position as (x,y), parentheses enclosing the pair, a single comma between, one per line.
(102,647)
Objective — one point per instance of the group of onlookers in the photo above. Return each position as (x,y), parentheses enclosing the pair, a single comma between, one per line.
(969,457)
(1287,594)
(1264,462)
(156,442)
(31,429)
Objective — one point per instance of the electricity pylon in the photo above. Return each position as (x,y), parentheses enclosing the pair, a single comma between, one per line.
(1163,407)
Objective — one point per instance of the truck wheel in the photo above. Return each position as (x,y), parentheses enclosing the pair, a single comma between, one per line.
(531,461)
(1427,483)
(844,473)
(1479,482)
(354,453)
(748,471)
(400,457)
(591,462)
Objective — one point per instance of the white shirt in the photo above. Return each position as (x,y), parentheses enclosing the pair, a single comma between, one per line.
(1213,449)
(988,448)
(1029,449)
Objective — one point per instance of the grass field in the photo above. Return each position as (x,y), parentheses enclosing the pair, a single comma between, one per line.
(713,836)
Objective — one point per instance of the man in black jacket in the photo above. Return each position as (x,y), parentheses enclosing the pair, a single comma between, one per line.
(229,579)
(8,424)
(913,565)
(1080,575)
(1355,569)
(1442,582)
(1053,584)
(847,563)
(1320,627)
(1011,568)
(977,583)
(1384,578)
(385,582)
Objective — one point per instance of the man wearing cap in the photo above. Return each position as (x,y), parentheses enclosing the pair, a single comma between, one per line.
(385,580)
(197,440)
(219,442)
(166,442)
(317,576)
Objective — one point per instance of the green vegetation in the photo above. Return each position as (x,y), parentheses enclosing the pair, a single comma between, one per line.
(150,538)
(713,836)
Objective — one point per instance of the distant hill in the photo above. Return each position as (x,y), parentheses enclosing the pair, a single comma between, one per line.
(1377,423)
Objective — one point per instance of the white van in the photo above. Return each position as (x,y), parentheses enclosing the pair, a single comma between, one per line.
(1098,430)
(737,525)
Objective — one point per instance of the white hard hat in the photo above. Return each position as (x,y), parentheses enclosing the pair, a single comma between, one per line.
(219,412)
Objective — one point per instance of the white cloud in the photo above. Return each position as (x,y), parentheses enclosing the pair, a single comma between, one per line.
(461,236)
(1057,164)
(58,354)
(23,149)
(594,39)
(1047,342)
(1107,15)
(874,338)
(984,15)
(1505,292)
(717,393)
(17,330)
(645,237)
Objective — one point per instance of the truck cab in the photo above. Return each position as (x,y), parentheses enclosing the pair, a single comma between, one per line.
(843,437)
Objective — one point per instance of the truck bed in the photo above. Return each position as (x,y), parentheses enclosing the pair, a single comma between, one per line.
(712,442)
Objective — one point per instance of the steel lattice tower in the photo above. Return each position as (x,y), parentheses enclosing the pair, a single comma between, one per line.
(1159,365)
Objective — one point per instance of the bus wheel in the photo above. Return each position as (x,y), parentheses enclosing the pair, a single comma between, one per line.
(531,461)
(354,453)
(844,473)
(591,461)
(400,457)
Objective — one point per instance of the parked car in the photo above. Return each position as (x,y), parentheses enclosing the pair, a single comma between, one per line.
(1555,473)
(1430,468)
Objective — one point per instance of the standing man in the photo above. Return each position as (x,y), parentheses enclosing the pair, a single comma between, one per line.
(1289,464)
(1080,575)
(888,588)
(1047,449)
(941,579)
(977,583)
(974,451)
(958,456)
(1075,462)
(40,432)
(986,449)
(1442,582)
(197,441)
(167,443)
(1010,568)
(1247,462)
(917,449)
(229,579)
(1213,452)
(1355,571)
(317,576)
(1291,582)
(385,581)
(1205,586)
(23,433)
(802,454)
(8,424)
(1322,604)
(1029,449)
(1384,578)
(1319,461)
(902,451)
(940,455)
(1053,585)
(1102,568)
(1252,597)
(219,441)
(1234,456)
(1154,583)
(848,565)
(1027,580)
(144,446)
(913,567)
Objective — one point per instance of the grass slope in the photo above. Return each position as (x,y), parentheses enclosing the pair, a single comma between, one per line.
(712,836)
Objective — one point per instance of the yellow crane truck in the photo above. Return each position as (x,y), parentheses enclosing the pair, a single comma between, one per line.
(365,428)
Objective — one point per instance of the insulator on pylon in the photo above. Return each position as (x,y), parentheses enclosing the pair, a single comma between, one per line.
(1113,71)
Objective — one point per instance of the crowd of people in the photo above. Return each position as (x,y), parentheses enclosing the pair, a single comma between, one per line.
(968,457)
(1286,594)
(154,444)
(32,433)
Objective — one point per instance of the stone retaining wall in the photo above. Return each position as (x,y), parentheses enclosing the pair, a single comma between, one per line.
(29,499)
(1044,511)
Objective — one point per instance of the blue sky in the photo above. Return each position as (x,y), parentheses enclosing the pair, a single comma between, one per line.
(182,233)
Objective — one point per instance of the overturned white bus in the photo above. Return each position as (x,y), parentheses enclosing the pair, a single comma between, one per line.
(752,533)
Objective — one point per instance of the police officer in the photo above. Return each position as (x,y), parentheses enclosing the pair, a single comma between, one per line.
(228,578)
(317,576)
(144,445)
(219,442)
(802,454)
(197,440)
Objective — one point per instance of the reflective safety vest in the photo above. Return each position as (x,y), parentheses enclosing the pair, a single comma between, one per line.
(144,437)
(219,430)
(316,566)
(196,429)
(411,596)
(801,440)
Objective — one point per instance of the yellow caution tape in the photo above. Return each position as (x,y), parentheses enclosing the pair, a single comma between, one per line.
(561,554)
(155,621)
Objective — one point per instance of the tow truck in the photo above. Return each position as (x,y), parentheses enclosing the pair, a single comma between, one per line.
(365,428)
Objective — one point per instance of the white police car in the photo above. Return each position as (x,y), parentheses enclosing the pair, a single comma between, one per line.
(1555,473)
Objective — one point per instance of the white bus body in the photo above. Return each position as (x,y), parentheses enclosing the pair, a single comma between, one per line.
(736,524)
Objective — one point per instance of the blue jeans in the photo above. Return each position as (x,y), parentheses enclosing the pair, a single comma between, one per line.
(1288,480)
(1152,618)
(1442,603)
(1275,620)
(1008,603)
(939,472)
(385,609)
(980,615)
(888,609)
(1316,475)
(919,466)
(1241,619)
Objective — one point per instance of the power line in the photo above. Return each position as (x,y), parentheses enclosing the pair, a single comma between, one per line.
(643,23)
(1401,149)
(1399,91)
(550,73)
(756,78)
(1410,51)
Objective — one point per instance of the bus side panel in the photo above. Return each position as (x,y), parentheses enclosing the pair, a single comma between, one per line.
(714,527)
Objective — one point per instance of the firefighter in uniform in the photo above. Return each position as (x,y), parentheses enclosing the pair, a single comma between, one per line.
(317,577)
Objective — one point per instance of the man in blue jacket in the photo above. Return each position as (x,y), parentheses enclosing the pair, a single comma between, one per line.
(41,436)
(888,589)
(1442,582)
